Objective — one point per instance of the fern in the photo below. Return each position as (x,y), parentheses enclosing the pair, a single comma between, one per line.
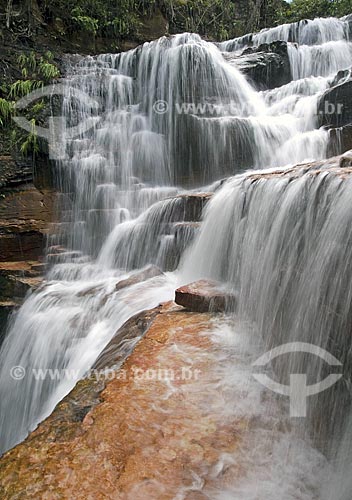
(22,88)
(32,61)
(86,23)
(6,110)
(22,60)
(48,55)
(30,144)
(47,70)
(38,107)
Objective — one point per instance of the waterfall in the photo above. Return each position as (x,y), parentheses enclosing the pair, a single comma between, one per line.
(285,246)
(176,114)
(307,32)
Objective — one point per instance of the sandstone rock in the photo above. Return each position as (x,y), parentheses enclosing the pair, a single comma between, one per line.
(204,296)
(17,278)
(65,256)
(118,349)
(25,214)
(144,275)
(22,245)
(133,437)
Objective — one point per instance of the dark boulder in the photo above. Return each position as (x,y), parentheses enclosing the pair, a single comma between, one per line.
(267,66)
(340,140)
(335,106)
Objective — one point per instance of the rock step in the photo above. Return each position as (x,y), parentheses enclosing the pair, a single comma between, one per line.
(61,257)
(205,296)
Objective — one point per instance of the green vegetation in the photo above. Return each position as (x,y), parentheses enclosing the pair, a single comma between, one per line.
(37,70)
(30,143)
(119,19)
(308,9)
(6,111)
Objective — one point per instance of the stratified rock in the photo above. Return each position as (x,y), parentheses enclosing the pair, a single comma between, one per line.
(204,296)
(21,245)
(143,275)
(25,214)
(17,278)
(13,173)
(335,106)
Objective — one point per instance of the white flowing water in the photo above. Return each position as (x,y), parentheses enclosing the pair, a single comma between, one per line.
(307,32)
(176,114)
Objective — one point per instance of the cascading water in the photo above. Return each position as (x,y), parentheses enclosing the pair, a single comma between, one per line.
(177,112)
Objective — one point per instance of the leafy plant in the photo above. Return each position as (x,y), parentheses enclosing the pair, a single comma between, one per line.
(22,88)
(30,144)
(48,70)
(35,66)
(86,23)
(6,110)
(309,9)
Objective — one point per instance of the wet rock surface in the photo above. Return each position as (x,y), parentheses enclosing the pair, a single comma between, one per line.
(267,66)
(123,438)
(205,296)
(335,107)
(146,274)
(340,140)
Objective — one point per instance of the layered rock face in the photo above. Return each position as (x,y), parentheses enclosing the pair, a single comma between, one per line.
(26,212)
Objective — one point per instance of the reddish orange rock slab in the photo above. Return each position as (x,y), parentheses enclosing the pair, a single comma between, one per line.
(204,296)
(148,435)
